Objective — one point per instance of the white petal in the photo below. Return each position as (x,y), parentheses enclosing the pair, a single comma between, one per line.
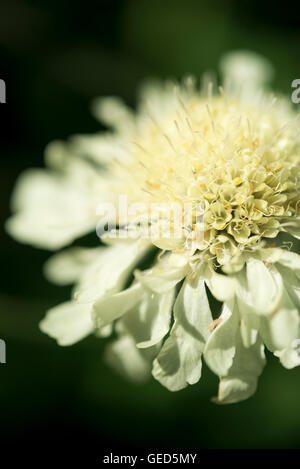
(179,361)
(240,385)
(101,148)
(240,380)
(282,328)
(67,266)
(221,286)
(162,278)
(105,331)
(235,389)
(127,360)
(245,73)
(113,112)
(291,282)
(249,320)
(111,307)
(110,271)
(264,286)
(68,323)
(290,356)
(150,320)
(50,212)
(271,255)
(220,347)
(290,260)
(292,226)
(160,312)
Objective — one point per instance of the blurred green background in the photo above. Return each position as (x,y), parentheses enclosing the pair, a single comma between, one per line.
(55,56)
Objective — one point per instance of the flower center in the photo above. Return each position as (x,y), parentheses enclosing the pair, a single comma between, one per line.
(239,161)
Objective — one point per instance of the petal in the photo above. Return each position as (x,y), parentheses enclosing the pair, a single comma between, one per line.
(249,320)
(264,287)
(149,321)
(111,307)
(179,361)
(245,73)
(67,266)
(162,278)
(290,260)
(292,226)
(282,328)
(291,282)
(161,318)
(101,148)
(110,271)
(220,347)
(68,323)
(290,356)
(113,112)
(221,286)
(50,211)
(240,380)
(127,360)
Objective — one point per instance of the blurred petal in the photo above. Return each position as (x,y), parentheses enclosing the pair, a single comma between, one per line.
(245,73)
(50,212)
(102,148)
(67,266)
(113,112)
(68,323)
(126,359)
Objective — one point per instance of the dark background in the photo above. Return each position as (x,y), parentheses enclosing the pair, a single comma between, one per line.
(55,56)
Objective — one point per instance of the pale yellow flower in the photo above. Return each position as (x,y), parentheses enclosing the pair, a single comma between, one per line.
(235,153)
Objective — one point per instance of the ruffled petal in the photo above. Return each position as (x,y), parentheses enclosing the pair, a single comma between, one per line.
(239,381)
(149,321)
(110,271)
(179,361)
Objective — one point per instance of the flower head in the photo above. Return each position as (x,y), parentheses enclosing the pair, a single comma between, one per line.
(233,159)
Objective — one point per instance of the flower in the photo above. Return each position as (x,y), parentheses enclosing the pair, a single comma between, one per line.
(235,154)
